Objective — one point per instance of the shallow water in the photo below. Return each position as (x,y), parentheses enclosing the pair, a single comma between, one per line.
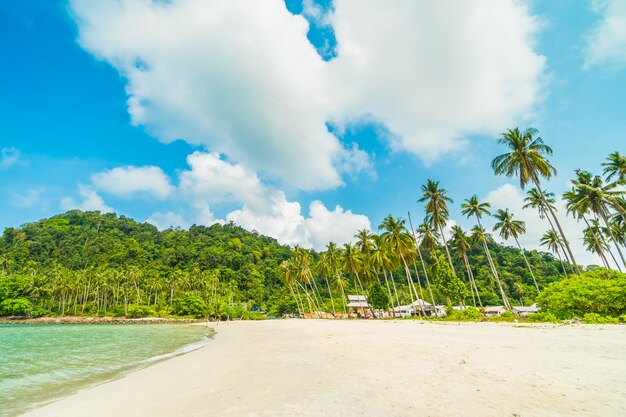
(39,363)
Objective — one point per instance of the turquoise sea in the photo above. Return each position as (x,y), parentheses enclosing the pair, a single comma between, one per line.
(39,363)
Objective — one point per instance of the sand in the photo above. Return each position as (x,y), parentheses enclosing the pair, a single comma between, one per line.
(375,368)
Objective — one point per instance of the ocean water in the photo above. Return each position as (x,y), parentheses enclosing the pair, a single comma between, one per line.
(39,363)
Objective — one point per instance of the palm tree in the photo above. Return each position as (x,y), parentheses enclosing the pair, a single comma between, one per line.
(461,242)
(437,210)
(508,228)
(480,234)
(381,259)
(302,260)
(593,241)
(615,167)
(473,207)
(287,274)
(353,263)
(591,193)
(398,240)
(527,160)
(325,268)
(427,236)
(333,256)
(364,241)
(553,242)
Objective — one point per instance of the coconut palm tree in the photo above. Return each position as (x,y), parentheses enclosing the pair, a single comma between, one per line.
(325,268)
(287,274)
(433,239)
(396,238)
(381,259)
(353,263)
(615,167)
(460,241)
(480,234)
(510,228)
(302,260)
(437,210)
(527,160)
(333,257)
(554,243)
(591,193)
(364,241)
(473,207)
(593,241)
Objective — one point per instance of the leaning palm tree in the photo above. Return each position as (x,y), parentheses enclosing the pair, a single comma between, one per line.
(353,263)
(325,268)
(554,243)
(364,241)
(333,258)
(615,167)
(437,209)
(527,160)
(473,207)
(480,234)
(287,274)
(302,260)
(381,259)
(396,238)
(593,241)
(591,193)
(510,228)
(461,242)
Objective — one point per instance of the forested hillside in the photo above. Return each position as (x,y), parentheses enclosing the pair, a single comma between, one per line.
(103,264)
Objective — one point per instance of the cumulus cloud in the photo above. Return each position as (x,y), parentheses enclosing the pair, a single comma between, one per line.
(9,157)
(510,196)
(90,200)
(130,180)
(606,43)
(242,79)
(165,220)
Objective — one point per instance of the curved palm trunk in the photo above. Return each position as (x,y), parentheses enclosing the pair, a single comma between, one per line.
(602,238)
(343,292)
(330,294)
(494,270)
(308,297)
(527,263)
(419,284)
(390,294)
(293,294)
(356,274)
(473,282)
(419,252)
(395,289)
(316,295)
(558,225)
(409,279)
(469,280)
(608,227)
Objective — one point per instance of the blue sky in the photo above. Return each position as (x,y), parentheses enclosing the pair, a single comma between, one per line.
(352,112)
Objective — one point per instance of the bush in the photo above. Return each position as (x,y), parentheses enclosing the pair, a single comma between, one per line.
(471,313)
(16,307)
(253,315)
(598,291)
(594,318)
(189,304)
(378,297)
(140,311)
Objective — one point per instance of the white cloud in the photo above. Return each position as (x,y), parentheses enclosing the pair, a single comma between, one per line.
(242,79)
(130,180)
(337,226)
(91,201)
(30,198)
(509,196)
(167,219)
(606,43)
(9,157)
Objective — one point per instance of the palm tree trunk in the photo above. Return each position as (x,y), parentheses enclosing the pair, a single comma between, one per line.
(558,225)
(608,228)
(363,290)
(419,284)
(469,279)
(390,294)
(527,263)
(308,297)
(494,270)
(330,294)
(343,292)
(295,298)
(419,252)
(469,270)
(395,290)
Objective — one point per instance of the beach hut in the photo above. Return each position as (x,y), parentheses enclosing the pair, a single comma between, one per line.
(358,303)
(525,311)
(494,311)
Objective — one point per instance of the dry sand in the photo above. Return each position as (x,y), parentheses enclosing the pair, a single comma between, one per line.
(375,368)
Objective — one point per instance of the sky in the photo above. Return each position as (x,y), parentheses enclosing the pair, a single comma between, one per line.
(304,120)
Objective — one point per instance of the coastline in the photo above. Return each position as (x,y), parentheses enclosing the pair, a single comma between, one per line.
(374,368)
(96,320)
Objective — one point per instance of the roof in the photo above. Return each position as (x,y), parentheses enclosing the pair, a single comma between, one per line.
(526,309)
(494,309)
(358,304)
(357,297)
(419,302)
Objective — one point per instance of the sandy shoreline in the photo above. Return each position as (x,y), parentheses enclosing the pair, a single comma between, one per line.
(375,368)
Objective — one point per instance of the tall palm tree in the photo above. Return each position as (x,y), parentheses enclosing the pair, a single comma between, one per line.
(381,259)
(419,253)
(554,243)
(426,238)
(591,193)
(615,167)
(333,257)
(473,207)
(396,238)
(364,241)
(302,260)
(437,209)
(527,160)
(353,263)
(461,242)
(510,228)
(325,268)
(593,241)
(480,234)
(287,275)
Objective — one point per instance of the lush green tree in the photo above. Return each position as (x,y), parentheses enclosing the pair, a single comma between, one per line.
(615,167)
(445,279)
(527,159)
(377,297)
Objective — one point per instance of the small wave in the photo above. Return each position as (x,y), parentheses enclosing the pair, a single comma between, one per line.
(185,349)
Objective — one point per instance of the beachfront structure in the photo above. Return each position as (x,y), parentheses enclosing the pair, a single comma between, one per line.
(494,311)
(416,308)
(525,311)
(358,302)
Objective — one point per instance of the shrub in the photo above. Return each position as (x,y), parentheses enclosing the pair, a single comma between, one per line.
(542,317)
(140,311)
(253,315)
(471,313)
(378,297)
(189,304)
(16,307)
(594,318)
(598,291)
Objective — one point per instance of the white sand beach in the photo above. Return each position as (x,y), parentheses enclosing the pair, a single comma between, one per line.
(375,368)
